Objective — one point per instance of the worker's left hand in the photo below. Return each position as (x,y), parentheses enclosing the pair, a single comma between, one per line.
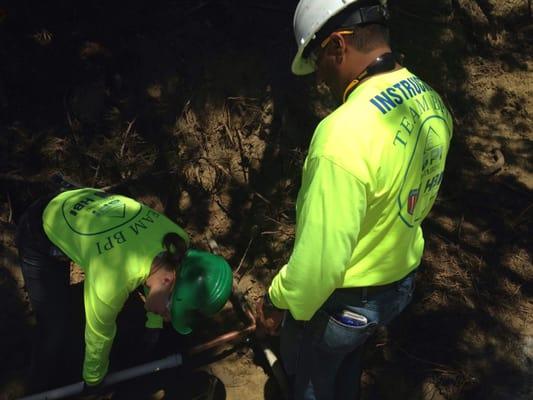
(268,319)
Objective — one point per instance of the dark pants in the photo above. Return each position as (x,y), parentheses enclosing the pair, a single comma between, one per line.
(46,276)
(322,356)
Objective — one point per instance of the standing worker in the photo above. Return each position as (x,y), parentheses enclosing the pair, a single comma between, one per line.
(371,176)
(120,244)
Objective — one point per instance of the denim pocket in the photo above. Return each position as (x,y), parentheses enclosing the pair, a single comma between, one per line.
(339,337)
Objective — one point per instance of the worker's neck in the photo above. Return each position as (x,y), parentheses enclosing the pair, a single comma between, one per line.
(363,60)
(357,63)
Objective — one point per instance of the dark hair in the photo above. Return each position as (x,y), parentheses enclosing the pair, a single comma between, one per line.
(367,18)
(175,249)
(370,36)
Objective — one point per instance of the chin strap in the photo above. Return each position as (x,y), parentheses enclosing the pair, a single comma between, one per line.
(383,63)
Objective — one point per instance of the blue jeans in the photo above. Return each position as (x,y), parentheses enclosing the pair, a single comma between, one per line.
(322,357)
(46,277)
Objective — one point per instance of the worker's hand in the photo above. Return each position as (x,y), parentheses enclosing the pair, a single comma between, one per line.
(268,320)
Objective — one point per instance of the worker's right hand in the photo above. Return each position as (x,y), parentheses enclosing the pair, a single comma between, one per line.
(268,319)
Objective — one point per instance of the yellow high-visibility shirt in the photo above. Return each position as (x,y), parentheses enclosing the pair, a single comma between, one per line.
(114,239)
(370,178)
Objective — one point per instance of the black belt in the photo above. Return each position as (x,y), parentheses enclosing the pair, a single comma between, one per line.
(372,290)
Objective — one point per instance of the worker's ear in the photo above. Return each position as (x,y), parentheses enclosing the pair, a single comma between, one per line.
(339,47)
(168,278)
(336,48)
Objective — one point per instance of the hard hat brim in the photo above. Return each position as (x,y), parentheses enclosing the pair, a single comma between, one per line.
(302,66)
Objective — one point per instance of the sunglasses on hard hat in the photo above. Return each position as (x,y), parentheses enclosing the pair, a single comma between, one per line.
(314,55)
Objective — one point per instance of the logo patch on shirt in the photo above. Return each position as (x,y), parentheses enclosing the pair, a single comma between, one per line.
(89,212)
(423,175)
(411,201)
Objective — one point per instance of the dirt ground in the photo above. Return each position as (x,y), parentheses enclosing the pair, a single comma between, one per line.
(190,106)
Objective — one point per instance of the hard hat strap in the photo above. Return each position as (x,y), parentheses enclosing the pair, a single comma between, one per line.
(384,63)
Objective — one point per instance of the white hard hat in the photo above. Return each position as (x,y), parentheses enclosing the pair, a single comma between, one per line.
(310,16)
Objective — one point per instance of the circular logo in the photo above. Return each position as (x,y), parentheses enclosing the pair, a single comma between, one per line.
(93,213)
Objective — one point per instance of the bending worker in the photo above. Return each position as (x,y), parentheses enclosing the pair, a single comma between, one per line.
(120,244)
(371,176)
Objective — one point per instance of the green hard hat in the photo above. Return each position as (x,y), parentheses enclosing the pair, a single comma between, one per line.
(204,286)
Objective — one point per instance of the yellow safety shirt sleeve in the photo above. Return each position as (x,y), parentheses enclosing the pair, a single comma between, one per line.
(331,205)
(100,330)
(153,321)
